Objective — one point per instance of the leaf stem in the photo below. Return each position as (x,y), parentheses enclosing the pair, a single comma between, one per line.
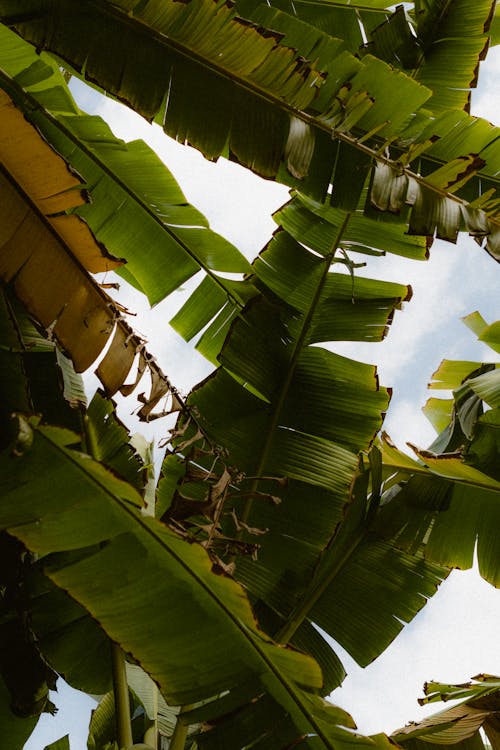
(319,585)
(123,722)
(178,740)
(122,704)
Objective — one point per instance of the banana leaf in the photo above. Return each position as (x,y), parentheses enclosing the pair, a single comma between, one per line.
(61,744)
(136,202)
(271,111)
(449,494)
(17,729)
(462,725)
(282,406)
(36,375)
(229,652)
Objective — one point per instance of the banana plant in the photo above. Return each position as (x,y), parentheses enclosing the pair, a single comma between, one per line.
(60,624)
(96,536)
(449,494)
(474,715)
(102,517)
(270,458)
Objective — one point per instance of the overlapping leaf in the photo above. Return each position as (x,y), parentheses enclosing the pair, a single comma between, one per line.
(450,36)
(25,677)
(167,36)
(66,301)
(136,204)
(307,222)
(460,726)
(353,24)
(428,39)
(104,512)
(36,376)
(281,129)
(451,495)
(281,406)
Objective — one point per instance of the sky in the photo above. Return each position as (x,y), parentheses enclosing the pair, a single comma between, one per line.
(454,636)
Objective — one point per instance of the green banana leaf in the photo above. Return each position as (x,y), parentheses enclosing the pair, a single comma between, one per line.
(25,677)
(109,442)
(14,727)
(128,547)
(426,40)
(276,116)
(282,406)
(301,221)
(35,375)
(157,712)
(495,27)
(61,744)
(61,626)
(462,725)
(102,731)
(353,24)
(129,185)
(37,234)
(451,36)
(450,493)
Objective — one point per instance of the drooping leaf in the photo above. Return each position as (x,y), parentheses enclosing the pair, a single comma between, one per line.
(61,625)
(135,203)
(450,496)
(109,442)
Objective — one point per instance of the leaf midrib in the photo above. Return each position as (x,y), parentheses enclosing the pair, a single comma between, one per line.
(297,350)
